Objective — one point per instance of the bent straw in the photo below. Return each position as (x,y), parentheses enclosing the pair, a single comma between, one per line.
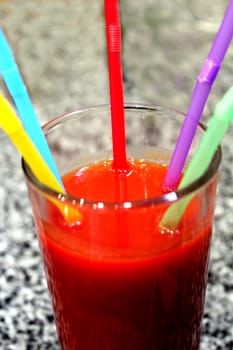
(17,89)
(113,36)
(216,130)
(201,91)
(12,126)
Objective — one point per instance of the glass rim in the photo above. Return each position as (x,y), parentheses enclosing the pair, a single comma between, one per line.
(160,199)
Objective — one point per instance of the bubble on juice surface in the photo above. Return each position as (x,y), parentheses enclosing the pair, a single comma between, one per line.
(169,231)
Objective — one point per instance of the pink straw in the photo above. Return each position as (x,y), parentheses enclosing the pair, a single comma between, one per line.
(201,91)
(113,34)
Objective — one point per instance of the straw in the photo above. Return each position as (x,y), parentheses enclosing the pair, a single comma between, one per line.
(17,89)
(113,36)
(201,91)
(219,123)
(12,126)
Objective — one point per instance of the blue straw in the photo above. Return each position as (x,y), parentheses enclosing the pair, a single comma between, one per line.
(17,89)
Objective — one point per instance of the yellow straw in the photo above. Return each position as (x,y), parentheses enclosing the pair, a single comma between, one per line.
(12,126)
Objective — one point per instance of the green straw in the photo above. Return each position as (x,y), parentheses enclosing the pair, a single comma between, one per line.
(216,130)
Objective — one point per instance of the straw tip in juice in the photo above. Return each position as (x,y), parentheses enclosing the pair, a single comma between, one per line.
(70,214)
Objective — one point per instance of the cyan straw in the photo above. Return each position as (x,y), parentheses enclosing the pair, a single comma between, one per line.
(17,89)
(201,91)
(216,130)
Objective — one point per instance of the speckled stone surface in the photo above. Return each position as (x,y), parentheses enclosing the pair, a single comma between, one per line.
(60,46)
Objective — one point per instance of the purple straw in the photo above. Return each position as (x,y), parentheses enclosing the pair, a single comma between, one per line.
(200,94)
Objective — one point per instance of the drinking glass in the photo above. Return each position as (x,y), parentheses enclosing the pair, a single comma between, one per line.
(117,280)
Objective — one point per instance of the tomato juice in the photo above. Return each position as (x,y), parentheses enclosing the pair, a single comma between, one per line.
(117,280)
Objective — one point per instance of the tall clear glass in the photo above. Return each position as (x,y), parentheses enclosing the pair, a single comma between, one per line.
(117,280)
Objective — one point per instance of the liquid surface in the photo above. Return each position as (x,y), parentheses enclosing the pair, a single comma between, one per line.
(100,182)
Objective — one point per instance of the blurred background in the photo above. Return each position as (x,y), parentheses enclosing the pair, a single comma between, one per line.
(60,47)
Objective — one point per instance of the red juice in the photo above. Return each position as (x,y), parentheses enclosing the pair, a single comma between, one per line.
(117,281)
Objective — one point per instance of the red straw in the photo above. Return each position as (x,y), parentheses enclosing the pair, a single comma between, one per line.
(113,34)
